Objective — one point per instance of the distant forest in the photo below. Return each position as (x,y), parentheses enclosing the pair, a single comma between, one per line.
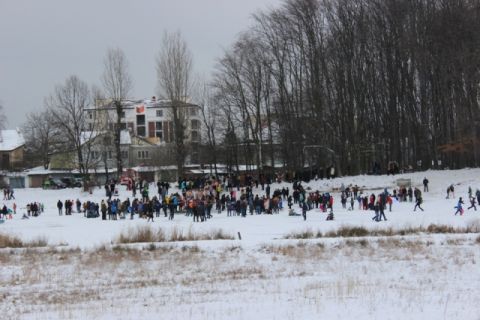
(350,83)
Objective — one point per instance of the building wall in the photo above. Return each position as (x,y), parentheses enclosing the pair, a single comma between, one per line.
(153,113)
(143,153)
(139,153)
(36,181)
(12,160)
(100,152)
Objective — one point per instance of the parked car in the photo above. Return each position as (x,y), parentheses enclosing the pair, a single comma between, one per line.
(72,182)
(59,184)
(51,183)
(78,181)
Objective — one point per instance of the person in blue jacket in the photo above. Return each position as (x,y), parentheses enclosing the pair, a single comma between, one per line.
(459,207)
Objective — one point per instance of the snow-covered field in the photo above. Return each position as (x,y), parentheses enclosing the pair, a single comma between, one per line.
(262,276)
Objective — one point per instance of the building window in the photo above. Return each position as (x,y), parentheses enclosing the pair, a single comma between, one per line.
(107,141)
(193,112)
(141,130)
(109,155)
(122,114)
(140,120)
(158,130)
(143,154)
(124,154)
(94,154)
(194,157)
(90,114)
(195,136)
(159,113)
(195,124)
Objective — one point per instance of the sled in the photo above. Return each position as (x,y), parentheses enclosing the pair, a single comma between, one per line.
(292,213)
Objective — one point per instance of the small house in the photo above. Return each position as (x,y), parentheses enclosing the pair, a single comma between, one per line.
(12,149)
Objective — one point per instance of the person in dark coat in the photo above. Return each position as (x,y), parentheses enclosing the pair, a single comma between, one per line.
(304,211)
(376,208)
(382,199)
(472,204)
(59,207)
(425,184)
(418,202)
(103,208)
(149,209)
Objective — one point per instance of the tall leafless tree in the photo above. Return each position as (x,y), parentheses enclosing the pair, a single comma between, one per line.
(204,97)
(117,84)
(102,126)
(41,138)
(66,106)
(174,76)
(3,118)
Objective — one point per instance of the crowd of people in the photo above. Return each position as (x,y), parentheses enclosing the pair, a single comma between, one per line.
(199,198)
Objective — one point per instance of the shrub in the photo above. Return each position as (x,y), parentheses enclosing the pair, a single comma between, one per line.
(219,234)
(352,232)
(139,234)
(10,241)
(144,234)
(433,228)
(474,226)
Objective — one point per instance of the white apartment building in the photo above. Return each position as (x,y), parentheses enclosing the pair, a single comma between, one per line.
(147,118)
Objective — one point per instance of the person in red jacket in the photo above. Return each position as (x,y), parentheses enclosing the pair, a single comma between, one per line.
(389,201)
(330,203)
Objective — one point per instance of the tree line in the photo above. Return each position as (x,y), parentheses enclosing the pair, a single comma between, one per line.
(320,83)
(351,83)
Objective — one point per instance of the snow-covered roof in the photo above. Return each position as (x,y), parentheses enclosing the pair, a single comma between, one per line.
(148,103)
(42,171)
(196,171)
(10,140)
(153,168)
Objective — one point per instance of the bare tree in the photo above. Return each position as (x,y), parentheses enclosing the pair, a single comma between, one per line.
(117,84)
(41,137)
(106,136)
(98,95)
(3,118)
(210,114)
(174,68)
(66,106)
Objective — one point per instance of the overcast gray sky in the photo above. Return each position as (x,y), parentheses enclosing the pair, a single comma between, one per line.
(42,42)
